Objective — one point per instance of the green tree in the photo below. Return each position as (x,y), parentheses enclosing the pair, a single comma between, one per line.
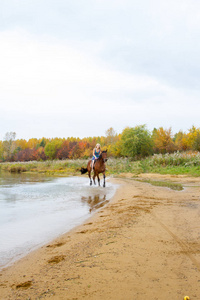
(196,145)
(52,147)
(42,143)
(136,142)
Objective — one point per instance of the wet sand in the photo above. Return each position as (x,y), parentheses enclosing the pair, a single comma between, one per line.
(145,244)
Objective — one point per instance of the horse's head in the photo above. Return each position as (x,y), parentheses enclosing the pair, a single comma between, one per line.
(104,155)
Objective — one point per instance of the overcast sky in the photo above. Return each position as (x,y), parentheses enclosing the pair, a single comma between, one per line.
(76,68)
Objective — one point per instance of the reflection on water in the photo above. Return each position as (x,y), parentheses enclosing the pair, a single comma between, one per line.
(95,202)
(7,179)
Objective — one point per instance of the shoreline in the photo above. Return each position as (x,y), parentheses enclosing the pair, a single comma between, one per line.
(144,238)
(92,210)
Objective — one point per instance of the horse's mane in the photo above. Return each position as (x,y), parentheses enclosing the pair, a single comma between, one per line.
(100,156)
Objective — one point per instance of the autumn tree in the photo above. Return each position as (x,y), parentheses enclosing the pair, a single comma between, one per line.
(163,141)
(40,154)
(111,136)
(194,138)
(21,144)
(181,141)
(1,151)
(112,142)
(9,145)
(115,149)
(32,143)
(63,152)
(25,155)
(136,142)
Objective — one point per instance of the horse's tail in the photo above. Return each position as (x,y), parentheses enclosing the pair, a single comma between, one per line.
(84,170)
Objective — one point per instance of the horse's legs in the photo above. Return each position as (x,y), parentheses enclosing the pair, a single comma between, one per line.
(89,174)
(104,179)
(94,178)
(98,179)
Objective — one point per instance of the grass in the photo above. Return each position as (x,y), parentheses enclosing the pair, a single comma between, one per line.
(123,165)
(186,163)
(173,170)
(70,167)
(168,184)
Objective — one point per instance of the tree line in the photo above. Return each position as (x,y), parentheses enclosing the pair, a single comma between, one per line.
(135,142)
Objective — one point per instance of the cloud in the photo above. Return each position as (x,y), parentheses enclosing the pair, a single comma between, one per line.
(153,38)
(52,76)
(132,62)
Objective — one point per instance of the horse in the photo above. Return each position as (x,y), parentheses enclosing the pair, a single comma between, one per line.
(99,167)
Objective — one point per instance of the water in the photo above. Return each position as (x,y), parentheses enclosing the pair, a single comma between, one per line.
(34,210)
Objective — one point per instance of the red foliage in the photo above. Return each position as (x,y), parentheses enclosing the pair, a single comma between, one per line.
(63,152)
(30,154)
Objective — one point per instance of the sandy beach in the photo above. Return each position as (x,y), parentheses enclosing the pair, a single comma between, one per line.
(145,244)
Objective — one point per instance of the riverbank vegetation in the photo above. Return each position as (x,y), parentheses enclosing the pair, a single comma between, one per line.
(185,163)
(177,163)
(135,150)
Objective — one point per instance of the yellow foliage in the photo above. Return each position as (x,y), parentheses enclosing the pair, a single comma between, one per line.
(32,143)
(162,139)
(21,143)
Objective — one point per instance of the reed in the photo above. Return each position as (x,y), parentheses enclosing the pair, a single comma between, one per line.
(176,163)
(71,166)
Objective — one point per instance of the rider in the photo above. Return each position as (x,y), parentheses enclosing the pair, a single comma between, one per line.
(96,154)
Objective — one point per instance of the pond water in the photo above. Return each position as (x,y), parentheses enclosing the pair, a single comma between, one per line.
(36,209)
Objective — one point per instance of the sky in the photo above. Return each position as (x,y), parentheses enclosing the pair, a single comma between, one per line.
(77,68)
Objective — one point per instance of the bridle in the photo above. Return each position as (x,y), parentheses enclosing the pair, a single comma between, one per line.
(104,158)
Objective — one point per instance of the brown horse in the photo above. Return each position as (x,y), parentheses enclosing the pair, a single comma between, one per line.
(99,167)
